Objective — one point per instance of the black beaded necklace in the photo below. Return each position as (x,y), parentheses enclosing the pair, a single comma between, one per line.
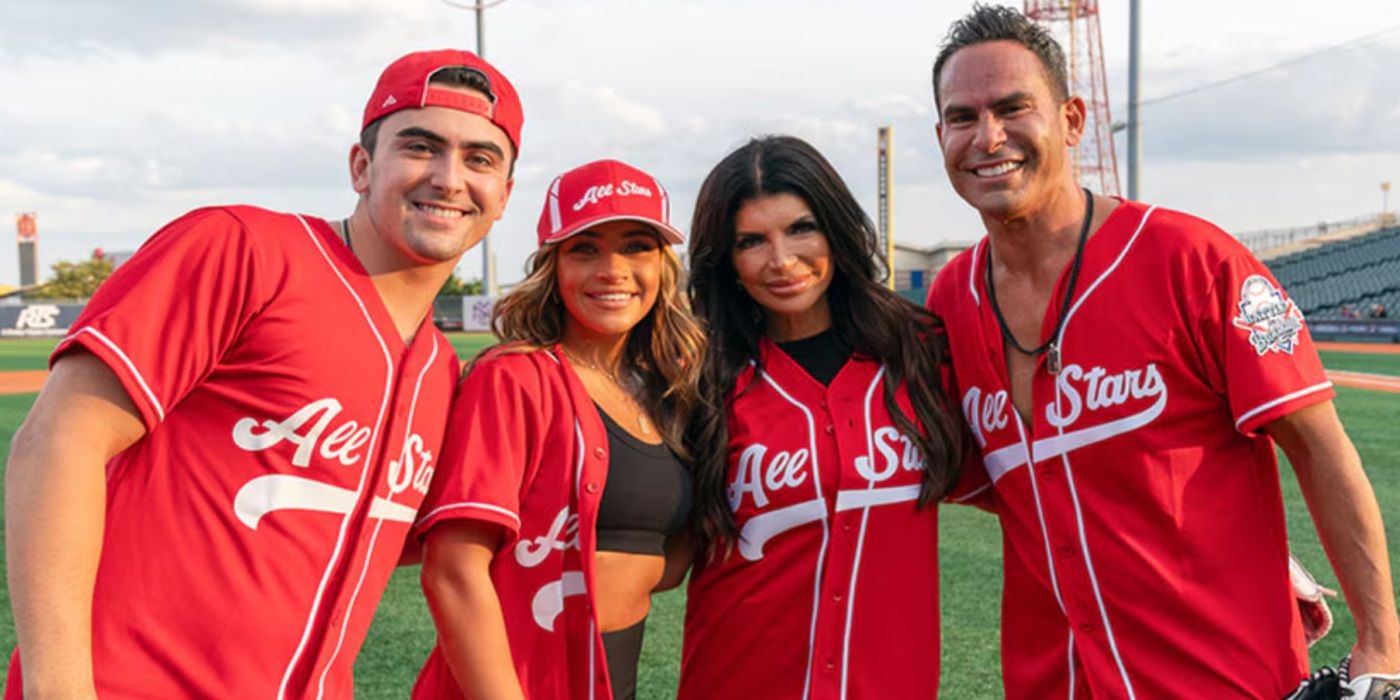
(1051,347)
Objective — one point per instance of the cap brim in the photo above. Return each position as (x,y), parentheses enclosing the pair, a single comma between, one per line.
(669,233)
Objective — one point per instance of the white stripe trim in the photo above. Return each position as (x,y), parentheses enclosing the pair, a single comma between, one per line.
(974,493)
(1094,579)
(826,531)
(1080,302)
(860,536)
(130,367)
(470,504)
(1069,658)
(1282,399)
(364,471)
(972,274)
(1069,470)
(1040,515)
(555,220)
(374,539)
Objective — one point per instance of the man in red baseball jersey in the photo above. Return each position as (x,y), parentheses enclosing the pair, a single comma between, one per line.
(1127,371)
(213,487)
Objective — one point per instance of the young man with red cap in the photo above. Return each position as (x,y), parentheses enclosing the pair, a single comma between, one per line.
(217,480)
(1127,371)
(546,529)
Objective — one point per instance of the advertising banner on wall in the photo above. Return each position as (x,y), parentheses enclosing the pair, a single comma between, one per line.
(37,320)
(476,313)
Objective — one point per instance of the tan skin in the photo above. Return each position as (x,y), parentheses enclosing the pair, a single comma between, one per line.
(783,262)
(1004,135)
(56,471)
(608,281)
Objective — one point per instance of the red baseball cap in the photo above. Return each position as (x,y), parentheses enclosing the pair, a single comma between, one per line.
(405,84)
(602,191)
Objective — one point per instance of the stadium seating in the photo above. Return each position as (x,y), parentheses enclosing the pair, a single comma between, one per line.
(1356,273)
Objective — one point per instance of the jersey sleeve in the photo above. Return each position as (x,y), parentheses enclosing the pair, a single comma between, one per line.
(165,318)
(1257,348)
(492,439)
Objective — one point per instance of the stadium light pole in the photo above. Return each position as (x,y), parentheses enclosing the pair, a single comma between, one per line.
(1385,199)
(1134,97)
(488,256)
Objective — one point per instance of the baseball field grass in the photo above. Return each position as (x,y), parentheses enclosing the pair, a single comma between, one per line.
(970,553)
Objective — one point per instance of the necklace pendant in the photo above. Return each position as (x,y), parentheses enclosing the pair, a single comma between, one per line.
(1052,359)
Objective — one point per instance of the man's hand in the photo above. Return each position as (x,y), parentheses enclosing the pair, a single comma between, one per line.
(1348,521)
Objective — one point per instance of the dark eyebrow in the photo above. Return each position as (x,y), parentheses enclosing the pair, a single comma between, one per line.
(411,132)
(804,220)
(1007,101)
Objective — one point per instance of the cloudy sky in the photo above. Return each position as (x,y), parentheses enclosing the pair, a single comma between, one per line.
(120,116)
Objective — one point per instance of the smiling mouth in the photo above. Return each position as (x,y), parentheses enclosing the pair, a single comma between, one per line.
(613,298)
(997,170)
(440,212)
(788,287)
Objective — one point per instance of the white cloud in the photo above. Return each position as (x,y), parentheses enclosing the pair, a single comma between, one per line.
(120,116)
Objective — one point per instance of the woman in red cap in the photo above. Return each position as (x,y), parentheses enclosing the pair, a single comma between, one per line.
(562,476)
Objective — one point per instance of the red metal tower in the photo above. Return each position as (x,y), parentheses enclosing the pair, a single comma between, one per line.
(1075,24)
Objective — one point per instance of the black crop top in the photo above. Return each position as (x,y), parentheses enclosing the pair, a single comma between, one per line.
(646,497)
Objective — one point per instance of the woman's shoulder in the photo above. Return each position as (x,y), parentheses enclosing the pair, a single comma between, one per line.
(512,363)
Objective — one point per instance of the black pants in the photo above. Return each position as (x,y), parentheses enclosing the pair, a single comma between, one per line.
(624,649)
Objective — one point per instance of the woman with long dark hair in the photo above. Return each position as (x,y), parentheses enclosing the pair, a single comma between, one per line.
(822,441)
(562,478)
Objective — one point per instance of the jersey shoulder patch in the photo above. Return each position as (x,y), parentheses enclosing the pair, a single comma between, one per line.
(1270,319)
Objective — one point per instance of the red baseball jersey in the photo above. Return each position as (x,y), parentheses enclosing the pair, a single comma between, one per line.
(832,588)
(1144,535)
(290,439)
(527,451)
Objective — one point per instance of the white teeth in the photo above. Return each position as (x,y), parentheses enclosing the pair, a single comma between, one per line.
(996,170)
(612,297)
(439,211)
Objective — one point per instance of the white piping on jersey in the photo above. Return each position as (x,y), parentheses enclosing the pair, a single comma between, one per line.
(826,530)
(1114,266)
(1282,399)
(1002,460)
(592,661)
(364,471)
(130,367)
(470,504)
(1159,406)
(860,536)
(374,538)
(973,493)
(1069,659)
(1044,532)
(972,274)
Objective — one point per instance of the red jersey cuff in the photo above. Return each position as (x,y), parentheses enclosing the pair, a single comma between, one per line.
(1255,418)
(485,512)
(111,354)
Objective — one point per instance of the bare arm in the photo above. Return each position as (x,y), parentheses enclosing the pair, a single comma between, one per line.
(55,505)
(1348,521)
(471,628)
(679,556)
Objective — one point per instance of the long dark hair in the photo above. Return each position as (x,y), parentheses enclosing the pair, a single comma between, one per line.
(866,316)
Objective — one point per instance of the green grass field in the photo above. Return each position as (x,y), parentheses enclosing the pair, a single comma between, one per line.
(970,553)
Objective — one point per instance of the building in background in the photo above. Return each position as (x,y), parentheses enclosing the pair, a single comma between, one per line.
(27,234)
(915,266)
